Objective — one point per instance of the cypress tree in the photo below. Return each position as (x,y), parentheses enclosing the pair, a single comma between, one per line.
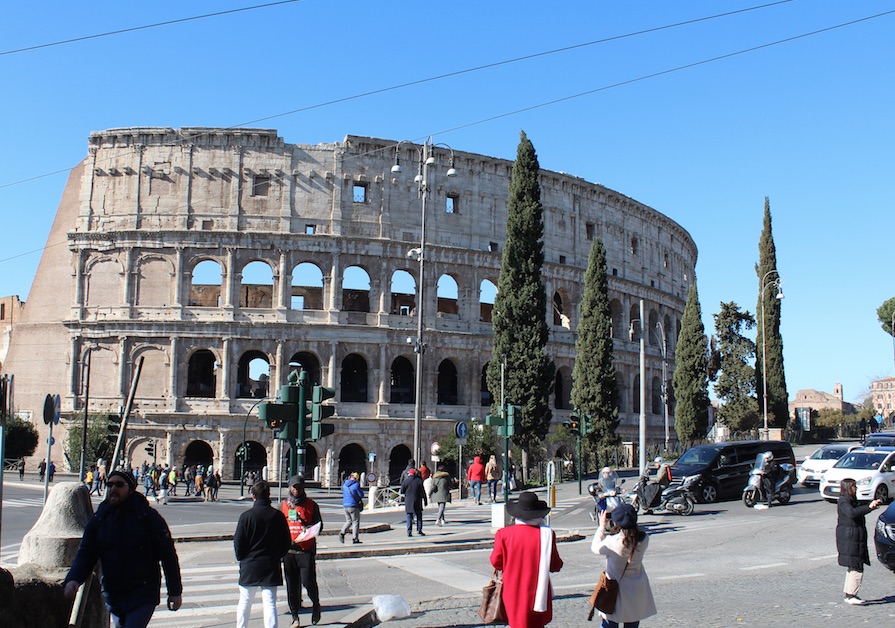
(594,390)
(520,307)
(778,397)
(736,383)
(690,380)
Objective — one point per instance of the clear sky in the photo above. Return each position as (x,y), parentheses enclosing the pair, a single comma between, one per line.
(674,118)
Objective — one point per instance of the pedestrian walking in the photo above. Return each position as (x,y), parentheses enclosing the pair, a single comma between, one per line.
(624,546)
(353,503)
(260,542)
(441,492)
(425,471)
(414,499)
(51,470)
(300,564)
(129,538)
(851,538)
(42,470)
(88,480)
(527,554)
(476,475)
(492,475)
(21,466)
(149,487)
(210,485)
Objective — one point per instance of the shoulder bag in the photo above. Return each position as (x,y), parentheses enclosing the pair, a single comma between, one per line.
(491,610)
(605,593)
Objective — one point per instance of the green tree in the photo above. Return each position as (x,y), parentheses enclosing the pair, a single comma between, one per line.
(594,390)
(690,379)
(520,307)
(100,442)
(21,438)
(735,386)
(885,313)
(775,378)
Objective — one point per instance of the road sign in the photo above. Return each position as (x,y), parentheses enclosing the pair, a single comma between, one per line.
(461,441)
(461,429)
(372,457)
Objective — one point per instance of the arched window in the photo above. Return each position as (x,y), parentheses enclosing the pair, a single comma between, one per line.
(447,295)
(403,381)
(256,286)
(252,376)
(485,396)
(487,292)
(307,287)
(560,318)
(447,383)
(615,314)
(354,379)
(654,335)
(635,390)
(403,289)
(309,363)
(355,290)
(205,284)
(634,320)
(656,395)
(622,392)
(200,376)
(561,389)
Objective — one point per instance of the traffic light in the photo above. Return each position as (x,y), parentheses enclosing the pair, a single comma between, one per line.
(573,425)
(242,452)
(150,448)
(275,414)
(514,413)
(490,419)
(319,413)
(113,426)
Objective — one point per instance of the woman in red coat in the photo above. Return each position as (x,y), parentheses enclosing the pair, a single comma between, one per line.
(526,553)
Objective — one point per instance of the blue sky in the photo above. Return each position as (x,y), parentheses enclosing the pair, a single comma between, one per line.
(807,122)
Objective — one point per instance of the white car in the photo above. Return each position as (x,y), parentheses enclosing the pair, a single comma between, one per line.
(872,468)
(812,470)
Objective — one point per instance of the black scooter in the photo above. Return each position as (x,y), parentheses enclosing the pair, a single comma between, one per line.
(677,498)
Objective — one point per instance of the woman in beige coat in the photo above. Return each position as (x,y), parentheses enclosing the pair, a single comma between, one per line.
(492,475)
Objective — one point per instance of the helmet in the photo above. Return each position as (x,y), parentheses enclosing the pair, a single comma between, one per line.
(605,471)
(770,456)
(659,460)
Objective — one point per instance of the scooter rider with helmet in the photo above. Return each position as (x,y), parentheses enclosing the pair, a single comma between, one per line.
(769,479)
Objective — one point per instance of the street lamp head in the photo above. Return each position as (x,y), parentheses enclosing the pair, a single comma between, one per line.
(396,169)
(430,160)
(780,291)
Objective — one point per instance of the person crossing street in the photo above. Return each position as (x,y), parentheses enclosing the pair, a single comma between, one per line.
(353,503)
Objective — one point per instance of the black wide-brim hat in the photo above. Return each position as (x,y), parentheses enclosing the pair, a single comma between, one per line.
(528,506)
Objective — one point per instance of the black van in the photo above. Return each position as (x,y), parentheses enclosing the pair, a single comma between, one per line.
(723,468)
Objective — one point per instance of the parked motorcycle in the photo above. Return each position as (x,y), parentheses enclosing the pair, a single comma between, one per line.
(781,477)
(606,492)
(676,498)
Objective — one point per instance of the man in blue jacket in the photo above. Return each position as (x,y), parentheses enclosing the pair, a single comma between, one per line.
(261,540)
(353,503)
(129,538)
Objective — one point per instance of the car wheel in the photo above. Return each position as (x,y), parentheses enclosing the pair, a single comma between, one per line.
(882,493)
(709,493)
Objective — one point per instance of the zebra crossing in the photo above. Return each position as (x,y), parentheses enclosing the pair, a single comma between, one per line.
(28,502)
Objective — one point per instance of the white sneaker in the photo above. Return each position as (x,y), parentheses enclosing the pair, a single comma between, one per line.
(853,600)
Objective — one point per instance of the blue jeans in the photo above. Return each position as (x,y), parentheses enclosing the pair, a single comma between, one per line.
(492,490)
(476,490)
(613,624)
(419,521)
(135,618)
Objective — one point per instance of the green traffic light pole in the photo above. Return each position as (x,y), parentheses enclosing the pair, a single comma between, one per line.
(297,443)
(245,449)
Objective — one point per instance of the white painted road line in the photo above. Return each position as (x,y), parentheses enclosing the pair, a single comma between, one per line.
(769,566)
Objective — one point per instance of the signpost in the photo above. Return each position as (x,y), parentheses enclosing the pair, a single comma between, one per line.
(51,418)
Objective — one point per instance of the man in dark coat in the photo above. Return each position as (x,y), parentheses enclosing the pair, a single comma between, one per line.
(261,540)
(414,498)
(851,538)
(129,538)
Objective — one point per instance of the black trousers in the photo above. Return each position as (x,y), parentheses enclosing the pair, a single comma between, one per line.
(301,571)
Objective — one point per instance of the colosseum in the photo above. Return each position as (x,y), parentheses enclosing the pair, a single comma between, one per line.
(216,257)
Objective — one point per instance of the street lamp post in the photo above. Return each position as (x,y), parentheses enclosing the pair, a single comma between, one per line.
(426,163)
(661,328)
(778,283)
(892,329)
(642,427)
(245,449)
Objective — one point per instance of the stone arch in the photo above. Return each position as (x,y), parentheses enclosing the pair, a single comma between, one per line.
(448,295)
(104,366)
(654,337)
(403,381)
(256,285)
(310,363)
(560,315)
(403,291)
(485,396)
(448,384)
(253,375)
(669,334)
(562,388)
(352,458)
(635,390)
(634,328)
(487,292)
(615,315)
(201,379)
(355,289)
(307,287)
(102,277)
(199,453)
(153,281)
(154,376)
(353,386)
(397,462)
(656,395)
(206,279)
(622,391)
(255,461)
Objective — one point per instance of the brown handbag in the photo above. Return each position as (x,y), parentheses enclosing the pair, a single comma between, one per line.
(605,594)
(491,610)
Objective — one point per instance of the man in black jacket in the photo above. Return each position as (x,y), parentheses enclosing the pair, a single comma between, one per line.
(261,540)
(129,538)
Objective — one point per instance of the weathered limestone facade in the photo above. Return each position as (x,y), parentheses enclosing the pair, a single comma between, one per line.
(330,226)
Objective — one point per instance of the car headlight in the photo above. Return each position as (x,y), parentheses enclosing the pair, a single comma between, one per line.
(885,530)
(864,481)
(690,479)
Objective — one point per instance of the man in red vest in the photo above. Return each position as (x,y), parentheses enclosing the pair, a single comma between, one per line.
(300,564)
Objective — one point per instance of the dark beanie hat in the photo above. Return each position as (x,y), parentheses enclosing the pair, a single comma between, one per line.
(127,477)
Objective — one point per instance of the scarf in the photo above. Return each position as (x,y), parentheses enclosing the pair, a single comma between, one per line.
(545,549)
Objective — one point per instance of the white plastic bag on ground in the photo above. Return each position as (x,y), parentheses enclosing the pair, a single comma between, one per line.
(390,607)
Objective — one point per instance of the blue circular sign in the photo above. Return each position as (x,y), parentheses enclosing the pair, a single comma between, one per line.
(461,429)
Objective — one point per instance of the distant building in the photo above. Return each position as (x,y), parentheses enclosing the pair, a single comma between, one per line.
(883,393)
(820,400)
(10,312)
